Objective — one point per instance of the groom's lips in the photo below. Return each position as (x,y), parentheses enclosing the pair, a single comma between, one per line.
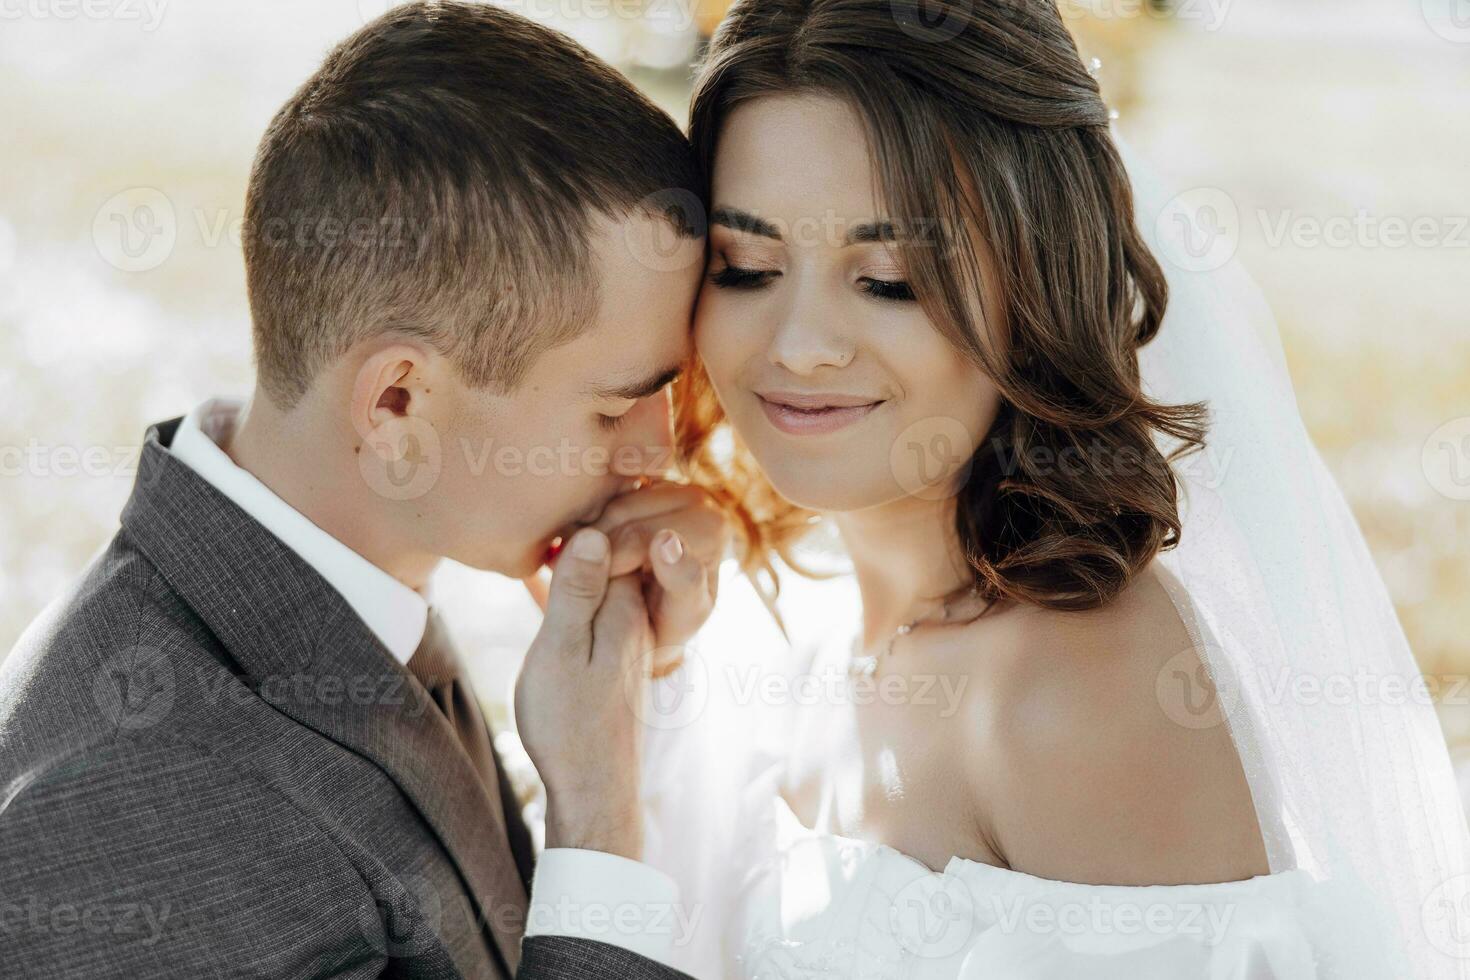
(559,540)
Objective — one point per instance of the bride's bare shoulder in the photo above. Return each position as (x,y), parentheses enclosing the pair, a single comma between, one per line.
(1102,755)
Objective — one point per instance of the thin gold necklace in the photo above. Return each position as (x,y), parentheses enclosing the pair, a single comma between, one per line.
(867,665)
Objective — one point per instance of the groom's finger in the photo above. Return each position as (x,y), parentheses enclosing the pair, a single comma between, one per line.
(578,584)
(621,630)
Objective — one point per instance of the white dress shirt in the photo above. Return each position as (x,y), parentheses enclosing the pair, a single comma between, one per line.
(395,613)
(577,893)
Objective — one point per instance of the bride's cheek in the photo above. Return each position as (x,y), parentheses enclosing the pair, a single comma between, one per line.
(717,343)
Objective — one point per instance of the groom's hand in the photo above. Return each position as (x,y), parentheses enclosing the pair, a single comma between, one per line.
(675,536)
(571,708)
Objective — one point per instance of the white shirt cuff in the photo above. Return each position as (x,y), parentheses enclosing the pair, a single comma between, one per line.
(595,895)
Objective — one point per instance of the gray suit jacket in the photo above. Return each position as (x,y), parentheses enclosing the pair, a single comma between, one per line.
(210,767)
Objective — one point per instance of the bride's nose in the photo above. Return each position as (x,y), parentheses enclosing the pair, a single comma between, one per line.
(809,335)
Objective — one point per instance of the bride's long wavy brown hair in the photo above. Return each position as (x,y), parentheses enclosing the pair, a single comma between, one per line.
(992,156)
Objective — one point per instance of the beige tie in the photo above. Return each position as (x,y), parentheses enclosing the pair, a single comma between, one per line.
(437,668)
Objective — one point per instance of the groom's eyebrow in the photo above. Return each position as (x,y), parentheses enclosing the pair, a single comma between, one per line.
(635,390)
(744,221)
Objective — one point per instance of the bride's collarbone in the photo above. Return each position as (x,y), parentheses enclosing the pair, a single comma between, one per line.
(891,753)
(1060,757)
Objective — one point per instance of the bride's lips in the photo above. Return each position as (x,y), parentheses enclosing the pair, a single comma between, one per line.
(809,414)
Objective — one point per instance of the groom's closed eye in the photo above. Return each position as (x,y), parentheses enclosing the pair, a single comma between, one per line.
(630,392)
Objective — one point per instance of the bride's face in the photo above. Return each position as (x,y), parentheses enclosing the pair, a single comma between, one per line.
(825,364)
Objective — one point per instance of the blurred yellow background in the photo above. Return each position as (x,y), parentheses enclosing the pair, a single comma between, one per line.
(1338,129)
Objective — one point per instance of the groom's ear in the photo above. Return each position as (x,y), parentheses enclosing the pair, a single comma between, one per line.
(392,382)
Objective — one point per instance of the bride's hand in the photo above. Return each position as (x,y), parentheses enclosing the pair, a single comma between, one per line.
(676,535)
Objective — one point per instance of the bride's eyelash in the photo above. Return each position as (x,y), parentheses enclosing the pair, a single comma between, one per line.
(884,289)
(733,277)
(611,423)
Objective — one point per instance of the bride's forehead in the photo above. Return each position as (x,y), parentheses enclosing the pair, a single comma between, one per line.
(790,156)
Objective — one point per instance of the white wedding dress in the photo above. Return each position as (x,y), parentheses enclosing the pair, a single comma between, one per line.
(1365,835)
(829,906)
(772,899)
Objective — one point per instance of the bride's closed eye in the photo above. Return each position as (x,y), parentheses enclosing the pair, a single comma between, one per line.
(734,277)
(889,289)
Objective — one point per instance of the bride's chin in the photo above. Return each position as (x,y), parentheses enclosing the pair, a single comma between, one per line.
(828,493)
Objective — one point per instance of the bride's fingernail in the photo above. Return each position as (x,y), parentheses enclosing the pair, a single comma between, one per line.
(671,549)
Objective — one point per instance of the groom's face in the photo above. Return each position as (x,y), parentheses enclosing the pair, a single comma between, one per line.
(524,468)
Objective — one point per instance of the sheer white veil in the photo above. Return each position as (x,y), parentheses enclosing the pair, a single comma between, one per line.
(1346,761)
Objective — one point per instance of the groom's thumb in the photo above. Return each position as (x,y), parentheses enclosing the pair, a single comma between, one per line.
(578,583)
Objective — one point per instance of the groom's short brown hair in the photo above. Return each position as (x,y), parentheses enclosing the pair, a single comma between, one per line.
(437,176)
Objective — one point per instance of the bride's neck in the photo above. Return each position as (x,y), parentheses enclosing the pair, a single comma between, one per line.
(907,559)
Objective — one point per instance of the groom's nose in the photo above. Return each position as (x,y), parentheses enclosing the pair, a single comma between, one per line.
(648,438)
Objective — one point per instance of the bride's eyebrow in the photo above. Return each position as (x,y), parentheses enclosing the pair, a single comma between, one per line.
(879,230)
(870,231)
(738,220)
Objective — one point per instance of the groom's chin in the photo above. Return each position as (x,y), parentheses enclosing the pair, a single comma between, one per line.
(518,565)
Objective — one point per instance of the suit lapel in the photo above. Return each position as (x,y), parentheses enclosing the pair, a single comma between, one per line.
(305,651)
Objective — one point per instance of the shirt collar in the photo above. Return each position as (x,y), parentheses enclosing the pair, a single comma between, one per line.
(395,613)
